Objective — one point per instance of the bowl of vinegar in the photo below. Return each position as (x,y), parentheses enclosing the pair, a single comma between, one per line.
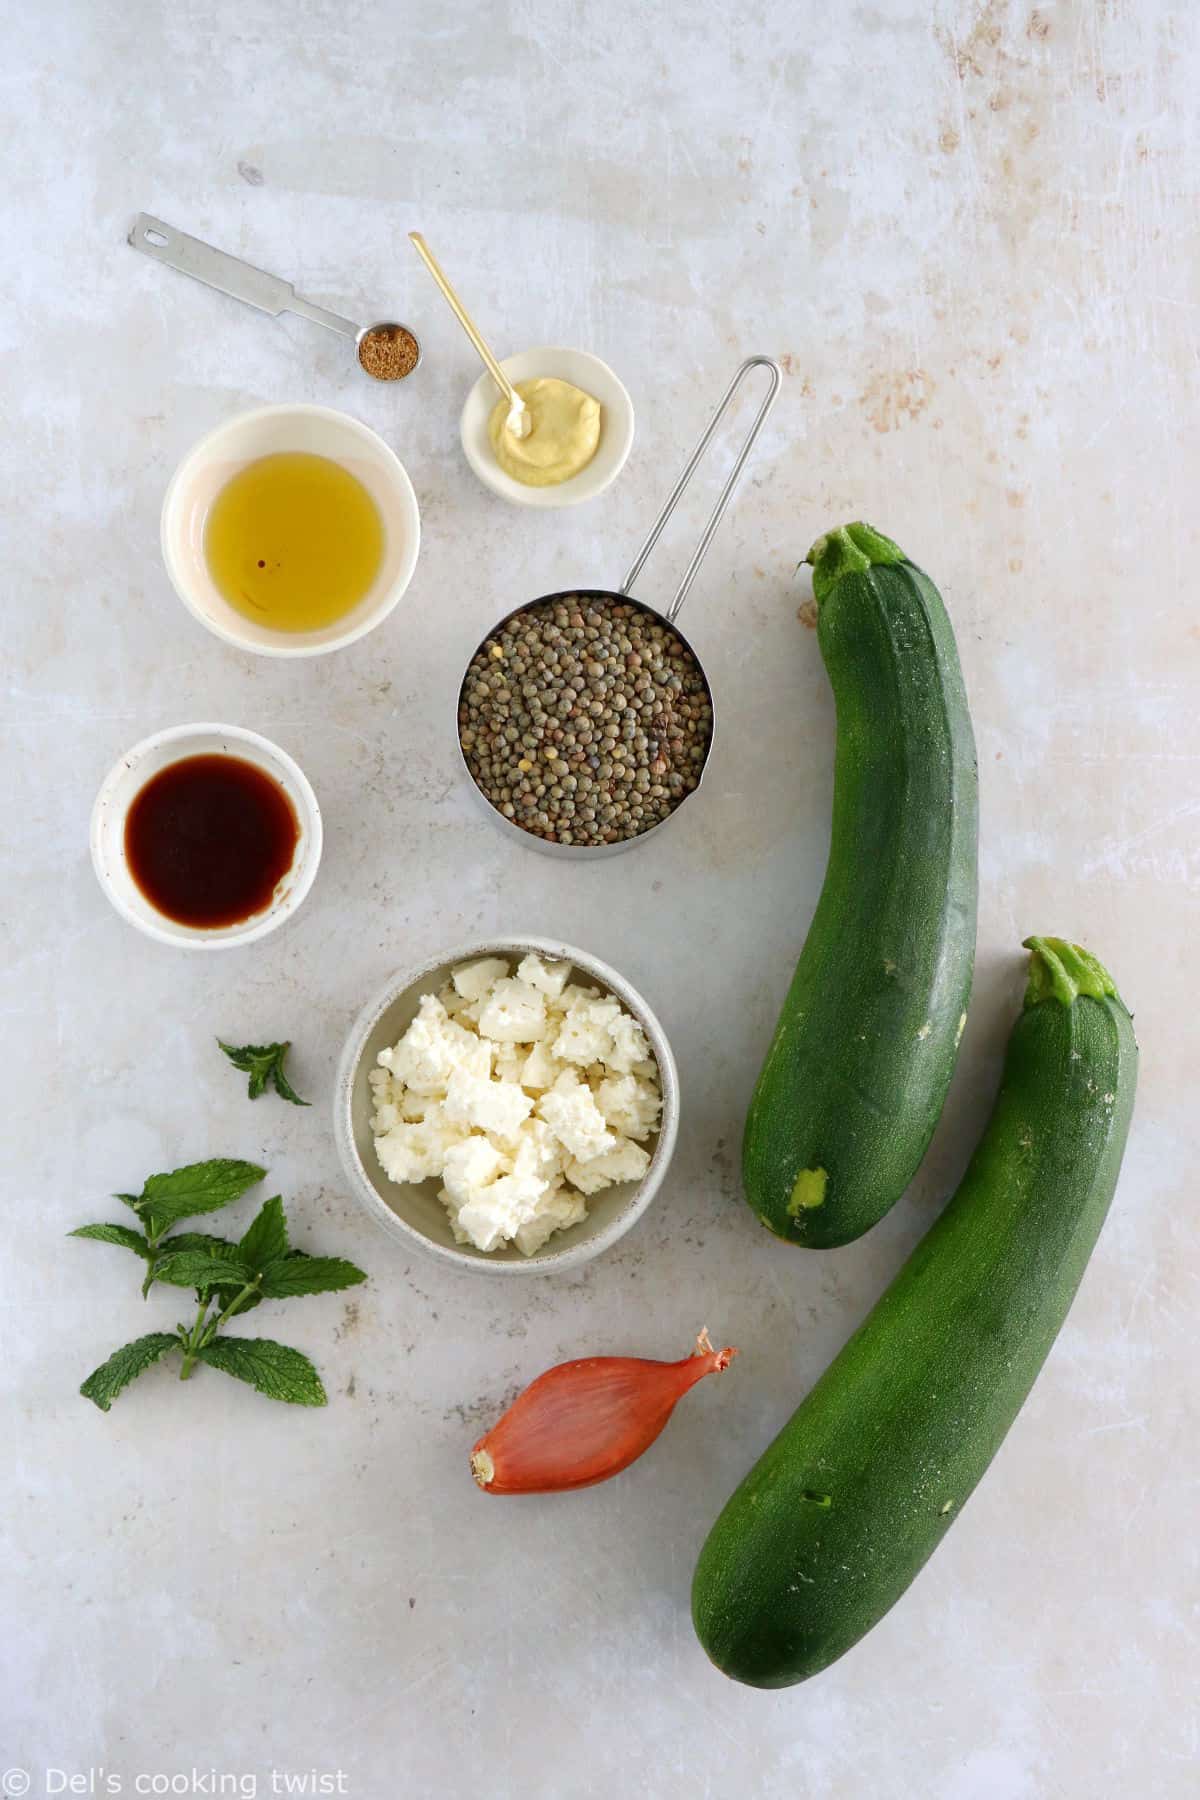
(290,530)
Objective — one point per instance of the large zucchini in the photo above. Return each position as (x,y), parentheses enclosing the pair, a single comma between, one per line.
(859,1488)
(856,1077)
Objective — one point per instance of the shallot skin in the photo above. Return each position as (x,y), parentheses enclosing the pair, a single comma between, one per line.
(586,1420)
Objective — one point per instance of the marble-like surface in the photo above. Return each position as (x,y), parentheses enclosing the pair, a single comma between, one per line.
(969,232)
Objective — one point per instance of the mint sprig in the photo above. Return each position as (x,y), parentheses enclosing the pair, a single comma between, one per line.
(228,1277)
(263,1063)
(166,1199)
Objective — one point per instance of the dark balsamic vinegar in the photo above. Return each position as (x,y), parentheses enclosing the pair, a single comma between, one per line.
(209,838)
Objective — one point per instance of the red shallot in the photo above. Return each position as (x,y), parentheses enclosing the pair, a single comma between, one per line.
(583,1421)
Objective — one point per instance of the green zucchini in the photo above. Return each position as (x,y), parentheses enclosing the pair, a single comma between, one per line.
(860,1487)
(856,1077)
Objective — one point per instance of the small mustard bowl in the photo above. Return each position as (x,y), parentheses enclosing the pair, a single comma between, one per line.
(582,370)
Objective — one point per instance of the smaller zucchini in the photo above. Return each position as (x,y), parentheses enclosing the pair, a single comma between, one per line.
(859,1488)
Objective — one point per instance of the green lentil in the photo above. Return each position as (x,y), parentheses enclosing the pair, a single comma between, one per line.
(584,720)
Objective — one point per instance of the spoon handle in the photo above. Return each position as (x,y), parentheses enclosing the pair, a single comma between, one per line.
(228,274)
(464,318)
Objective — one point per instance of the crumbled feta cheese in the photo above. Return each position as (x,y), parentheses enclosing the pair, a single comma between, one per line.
(558,1208)
(539,1151)
(625,1162)
(432,1048)
(514,1013)
(523,1093)
(474,980)
(380,1083)
(508,1061)
(573,995)
(498,1107)
(463,1012)
(573,1116)
(550,978)
(630,1105)
(586,1032)
(498,1211)
(417,1151)
(471,1166)
(628,1044)
(541,1069)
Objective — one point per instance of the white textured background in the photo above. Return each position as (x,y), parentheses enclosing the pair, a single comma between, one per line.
(970,233)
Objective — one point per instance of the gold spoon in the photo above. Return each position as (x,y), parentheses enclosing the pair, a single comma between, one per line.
(518,421)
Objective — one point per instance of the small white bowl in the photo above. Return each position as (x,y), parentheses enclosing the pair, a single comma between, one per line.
(584,371)
(128,777)
(412,1213)
(321,431)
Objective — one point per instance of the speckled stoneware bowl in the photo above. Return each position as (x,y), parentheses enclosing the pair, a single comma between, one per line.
(412,1213)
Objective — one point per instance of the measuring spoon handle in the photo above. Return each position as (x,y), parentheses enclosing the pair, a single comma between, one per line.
(228,274)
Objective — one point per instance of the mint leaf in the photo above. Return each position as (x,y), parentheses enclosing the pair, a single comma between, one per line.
(227,1296)
(197,1188)
(263,1063)
(283,1086)
(114,1234)
(255,1060)
(198,1240)
(201,1269)
(265,1239)
(308,1275)
(274,1369)
(225,1250)
(125,1365)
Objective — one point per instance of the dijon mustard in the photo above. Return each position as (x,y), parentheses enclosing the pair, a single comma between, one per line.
(563,436)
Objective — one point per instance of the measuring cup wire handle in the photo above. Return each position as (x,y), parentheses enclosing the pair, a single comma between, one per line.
(656,530)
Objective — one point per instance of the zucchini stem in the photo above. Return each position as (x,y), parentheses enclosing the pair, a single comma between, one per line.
(849,550)
(1062,971)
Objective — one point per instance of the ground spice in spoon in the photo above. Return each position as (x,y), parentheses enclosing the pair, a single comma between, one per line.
(389,352)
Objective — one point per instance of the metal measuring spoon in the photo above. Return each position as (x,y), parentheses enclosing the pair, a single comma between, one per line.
(269,293)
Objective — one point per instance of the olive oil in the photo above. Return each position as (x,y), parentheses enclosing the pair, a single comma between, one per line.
(294,541)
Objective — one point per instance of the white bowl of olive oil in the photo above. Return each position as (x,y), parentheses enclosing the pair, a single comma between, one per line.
(290,530)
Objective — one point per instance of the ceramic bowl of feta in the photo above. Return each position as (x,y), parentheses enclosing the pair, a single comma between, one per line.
(511,1106)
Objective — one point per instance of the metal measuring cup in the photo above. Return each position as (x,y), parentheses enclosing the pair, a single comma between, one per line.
(582,852)
(269,293)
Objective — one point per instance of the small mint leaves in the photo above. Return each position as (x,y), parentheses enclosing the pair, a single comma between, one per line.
(263,1063)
